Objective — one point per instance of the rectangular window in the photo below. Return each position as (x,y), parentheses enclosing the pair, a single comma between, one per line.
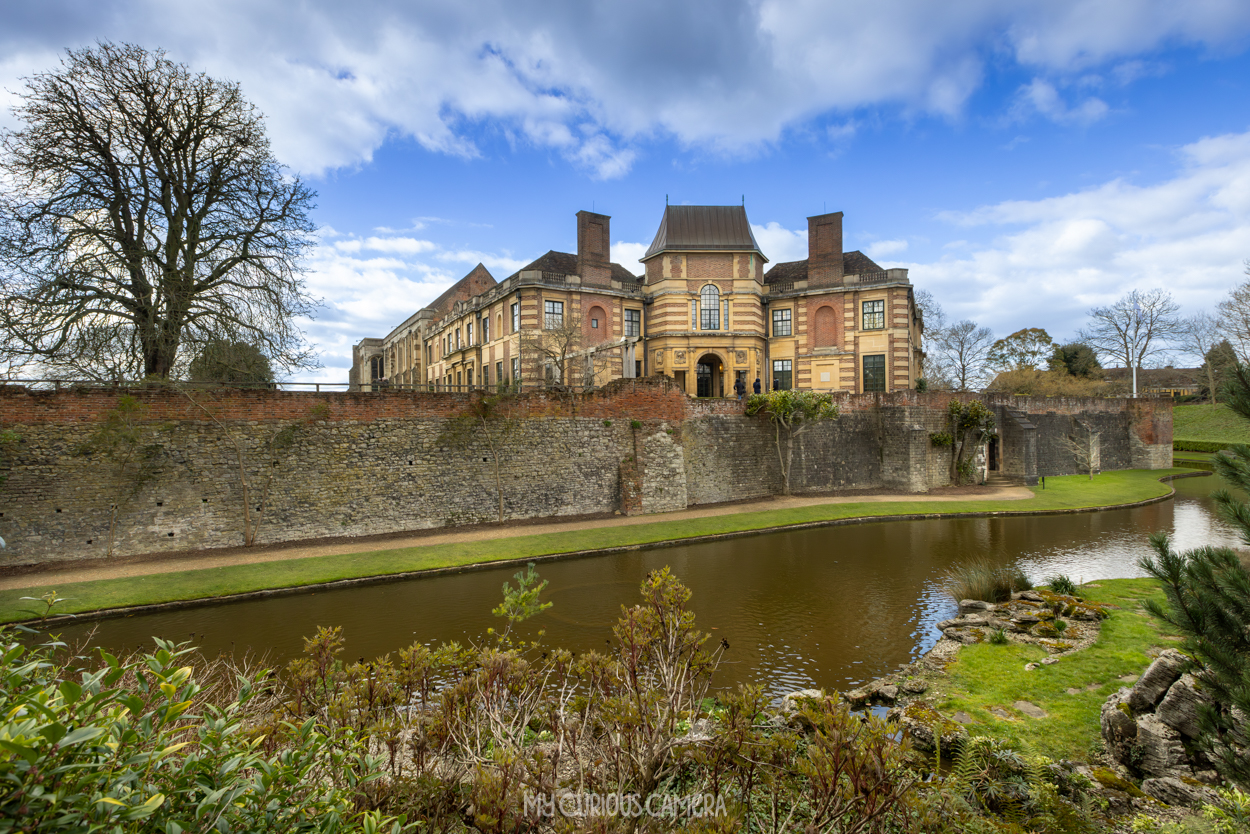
(457,338)
(516,370)
(468,378)
(553,315)
(781,323)
(594,323)
(516,317)
(709,317)
(468,334)
(725,314)
(633,323)
(499,373)
(783,376)
(874,315)
(874,373)
(486,329)
(694,315)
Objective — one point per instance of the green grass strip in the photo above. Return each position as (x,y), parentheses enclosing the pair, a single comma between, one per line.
(985,676)
(1061,493)
(1208,423)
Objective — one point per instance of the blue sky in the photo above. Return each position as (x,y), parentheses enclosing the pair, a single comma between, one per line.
(1026,161)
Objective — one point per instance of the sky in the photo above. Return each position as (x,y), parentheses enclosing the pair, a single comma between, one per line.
(1025,160)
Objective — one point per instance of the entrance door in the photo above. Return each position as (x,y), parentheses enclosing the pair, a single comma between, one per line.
(708,374)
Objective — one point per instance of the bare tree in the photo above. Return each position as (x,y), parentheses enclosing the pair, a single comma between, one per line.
(1138,326)
(1235,319)
(141,210)
(553,353)
(964,348)
(1199,334)
(936,369)
(1086,447)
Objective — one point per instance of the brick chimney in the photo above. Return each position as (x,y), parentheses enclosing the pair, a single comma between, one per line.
(593,248)
(824,250)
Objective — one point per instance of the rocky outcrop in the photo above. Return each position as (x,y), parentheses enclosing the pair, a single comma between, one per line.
(1151,728)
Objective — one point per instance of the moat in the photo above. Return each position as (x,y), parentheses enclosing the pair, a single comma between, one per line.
(830,607)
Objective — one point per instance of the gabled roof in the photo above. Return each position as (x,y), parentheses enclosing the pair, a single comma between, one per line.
(565,263)
(703,228)
(477,281)
(853,263)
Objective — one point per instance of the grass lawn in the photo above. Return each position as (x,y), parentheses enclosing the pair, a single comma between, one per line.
(986,675)
(1212,423)
(1061,493)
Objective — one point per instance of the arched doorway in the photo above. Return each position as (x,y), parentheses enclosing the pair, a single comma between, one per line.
(710,376)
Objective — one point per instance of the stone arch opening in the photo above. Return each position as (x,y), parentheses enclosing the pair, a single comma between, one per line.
(596,325)
(710,376)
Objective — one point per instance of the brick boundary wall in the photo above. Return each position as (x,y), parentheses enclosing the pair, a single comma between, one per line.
(370,463)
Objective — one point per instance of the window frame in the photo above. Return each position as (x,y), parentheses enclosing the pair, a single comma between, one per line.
(786,373)
(516,316)
(877,322)
(553,314)
(709,307)
(783,315)
(633,326)
(881,386)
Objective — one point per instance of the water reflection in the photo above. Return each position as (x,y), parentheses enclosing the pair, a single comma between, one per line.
(832,607)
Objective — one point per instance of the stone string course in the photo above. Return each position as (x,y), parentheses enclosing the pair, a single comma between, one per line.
(370,463)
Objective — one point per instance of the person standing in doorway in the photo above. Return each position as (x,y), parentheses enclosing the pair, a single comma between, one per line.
(740,388)
(776,384)
(756,386)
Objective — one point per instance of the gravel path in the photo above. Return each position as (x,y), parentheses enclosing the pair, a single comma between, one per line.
(195,560)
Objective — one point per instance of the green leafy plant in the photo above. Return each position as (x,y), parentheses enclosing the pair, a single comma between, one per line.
(940,439)
(972,423)
(999,637)
(1062,584)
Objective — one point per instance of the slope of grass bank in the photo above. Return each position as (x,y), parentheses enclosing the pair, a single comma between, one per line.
(1061,494)
(1209,424)
(1071,691)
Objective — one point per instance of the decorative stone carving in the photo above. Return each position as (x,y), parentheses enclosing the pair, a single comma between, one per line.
(740,356)
(679,357)
(659,357)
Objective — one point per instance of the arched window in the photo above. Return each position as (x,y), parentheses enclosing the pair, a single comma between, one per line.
(709,304)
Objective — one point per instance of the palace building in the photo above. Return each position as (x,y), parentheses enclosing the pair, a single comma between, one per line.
(707,310)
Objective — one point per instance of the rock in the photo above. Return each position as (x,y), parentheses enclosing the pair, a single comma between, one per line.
(888,693)
(791,703)
(1029,667)
(1119,730)
(961,717)
(1029,709)
(1031,596)
(1174,791)
(1128,678)
(857,698)
(925,725)
(999,712)
(700,730)
(914,686)
(1047,661)
(1158,750)
(967,606)
(1156,680)
(967,636)
(1179,707)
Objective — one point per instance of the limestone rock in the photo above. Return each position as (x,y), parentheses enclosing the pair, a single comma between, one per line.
(1119,730)
(914,686)
(857,698)
(888,693)
(1031,596)
(925,725)
(967,606)
(1174,791)
(1179,707)
(1156,680)
(1029,709)
(1158,749)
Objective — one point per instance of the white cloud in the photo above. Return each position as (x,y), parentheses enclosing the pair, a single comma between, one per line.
(400,245)
(628,255)
(338,80)
(882,248)
(1049,261)
(779,244)
(501,266)
(1041,97)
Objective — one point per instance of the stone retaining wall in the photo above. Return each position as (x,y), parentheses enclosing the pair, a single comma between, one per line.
(368,463)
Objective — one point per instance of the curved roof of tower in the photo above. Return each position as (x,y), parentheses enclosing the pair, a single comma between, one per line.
(702,229)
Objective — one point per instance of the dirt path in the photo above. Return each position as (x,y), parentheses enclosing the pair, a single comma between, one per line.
(277,553)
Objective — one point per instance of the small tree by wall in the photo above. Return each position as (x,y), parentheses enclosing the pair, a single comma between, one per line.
(274,447)
(1086,447)
(488,421)
(119,441)
(792,413)
(971,425)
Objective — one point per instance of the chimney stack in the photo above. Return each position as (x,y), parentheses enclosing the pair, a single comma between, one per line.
(593,248)
(824,250)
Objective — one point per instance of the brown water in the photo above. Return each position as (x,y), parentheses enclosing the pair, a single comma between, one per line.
(831,607)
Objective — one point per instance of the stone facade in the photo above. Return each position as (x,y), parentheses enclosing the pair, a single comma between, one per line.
(705,312)
(357,464)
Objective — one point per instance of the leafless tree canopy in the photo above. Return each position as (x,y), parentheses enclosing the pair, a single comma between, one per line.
(1138,326)
(1199,334)
(142,213)
(963,349)
(1235,313)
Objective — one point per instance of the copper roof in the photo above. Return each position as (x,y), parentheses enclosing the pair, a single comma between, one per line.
(703,228)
